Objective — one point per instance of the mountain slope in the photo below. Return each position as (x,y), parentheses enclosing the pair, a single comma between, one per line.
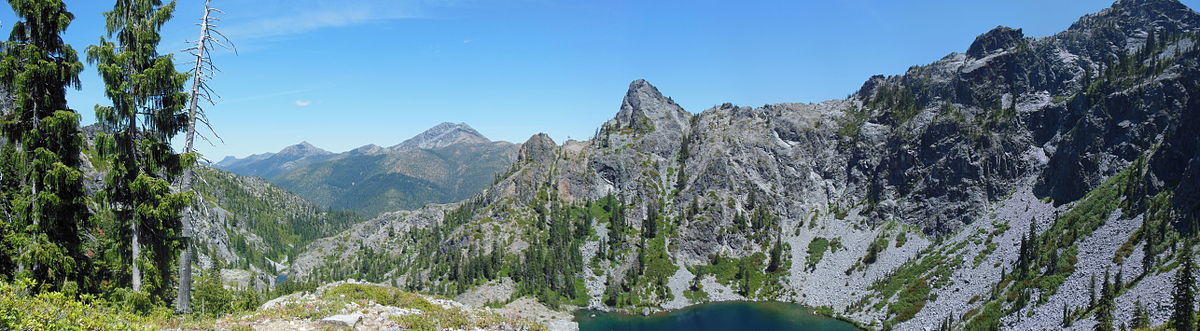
(985,189)
(247,226)
(446,163)
(443,135)
(399,179)
(251,224)
(268,165)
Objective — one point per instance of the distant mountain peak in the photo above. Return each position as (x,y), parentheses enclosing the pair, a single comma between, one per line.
(303,149)
(443,135)
(368,149)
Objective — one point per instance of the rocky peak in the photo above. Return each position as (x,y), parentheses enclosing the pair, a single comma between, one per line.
(538,148)
(644,107)
(998,39)
(1148,5)
(1133,15)
(368,149)
(443,135)
(303,149)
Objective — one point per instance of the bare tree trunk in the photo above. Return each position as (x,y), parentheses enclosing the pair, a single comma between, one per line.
(136,244)
(199,89)
(137,249)
(20,254)
(33,201)
(183,299)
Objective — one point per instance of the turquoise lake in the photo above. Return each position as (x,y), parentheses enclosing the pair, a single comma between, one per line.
(717,316)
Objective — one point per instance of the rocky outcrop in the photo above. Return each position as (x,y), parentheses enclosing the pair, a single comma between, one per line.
(539,148)
(946,166)
(999,39)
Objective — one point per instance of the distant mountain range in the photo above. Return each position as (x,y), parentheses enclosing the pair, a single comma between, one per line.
(446,163)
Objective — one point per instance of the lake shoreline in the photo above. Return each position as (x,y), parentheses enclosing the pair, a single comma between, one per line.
(717,315)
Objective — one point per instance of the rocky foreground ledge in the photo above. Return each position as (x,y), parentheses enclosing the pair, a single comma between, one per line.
(352,305)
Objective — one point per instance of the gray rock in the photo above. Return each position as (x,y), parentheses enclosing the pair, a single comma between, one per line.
(346,320)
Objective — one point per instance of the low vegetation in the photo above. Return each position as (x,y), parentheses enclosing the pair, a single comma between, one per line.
(24,307)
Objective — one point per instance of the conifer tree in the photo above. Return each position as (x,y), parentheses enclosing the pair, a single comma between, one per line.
(1066,316)
(10,187)
(1148,258)
(650,225)
(47,205)
(1141,317)
(1104,311)
(1185,294)
(147,111)
(1052,262)
(1119,281)
(776,256)
(1092,292)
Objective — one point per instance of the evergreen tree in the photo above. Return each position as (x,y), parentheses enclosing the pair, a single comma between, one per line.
(11,163)
(1148,258)
(1092,292)
(650,225)
(1052,262)
(1185,294)
(1119,281)
(48,206)
(148,99)
(1066,316)
(1104,309)
(776,256)
(1141,316)
(611,292)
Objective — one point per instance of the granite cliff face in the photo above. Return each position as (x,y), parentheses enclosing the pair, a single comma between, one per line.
(911,203)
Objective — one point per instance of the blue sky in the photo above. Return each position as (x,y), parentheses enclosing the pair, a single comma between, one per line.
(345,73)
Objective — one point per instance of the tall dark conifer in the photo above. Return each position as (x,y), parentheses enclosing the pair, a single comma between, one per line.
(1183,318)
(148,99)
(48,206)
(1104,309)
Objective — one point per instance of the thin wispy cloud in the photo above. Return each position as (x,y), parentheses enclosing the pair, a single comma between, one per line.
(313,15)
(303,103)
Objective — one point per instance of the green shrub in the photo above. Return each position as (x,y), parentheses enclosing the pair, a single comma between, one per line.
(901,238)
(386,296)
(816,251)
(23,309)
(910,302)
